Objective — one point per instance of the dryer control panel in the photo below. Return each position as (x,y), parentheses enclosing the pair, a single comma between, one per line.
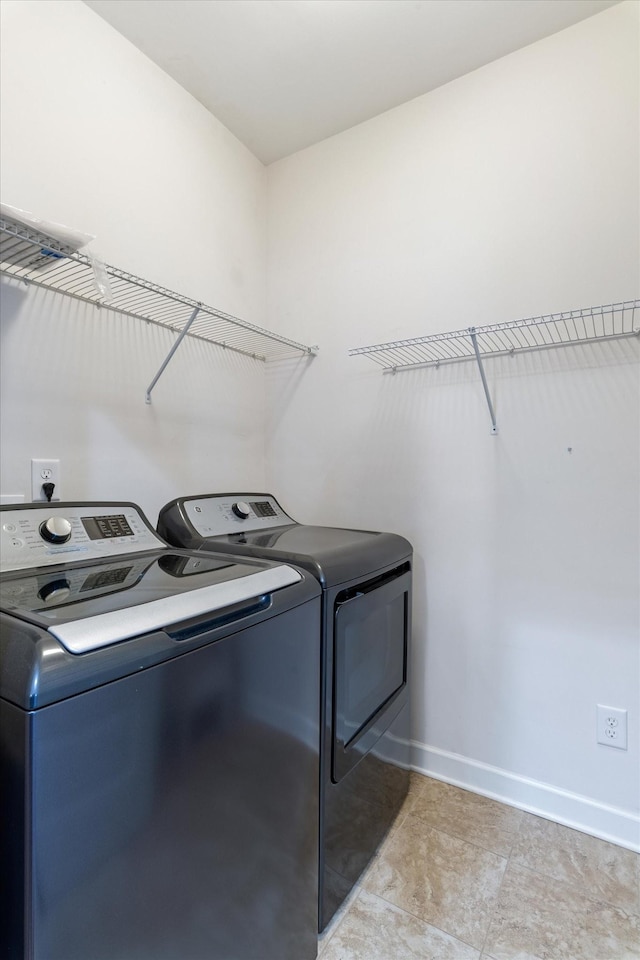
(225,513)
(42,534)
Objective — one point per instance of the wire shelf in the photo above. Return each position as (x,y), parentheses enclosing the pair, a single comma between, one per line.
(36,258)
(588,325)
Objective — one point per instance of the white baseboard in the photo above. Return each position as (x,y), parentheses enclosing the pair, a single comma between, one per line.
(571,809)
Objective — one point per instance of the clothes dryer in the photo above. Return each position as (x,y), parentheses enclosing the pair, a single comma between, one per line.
(366,580)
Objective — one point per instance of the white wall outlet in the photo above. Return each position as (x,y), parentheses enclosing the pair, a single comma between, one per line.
(45,471)
(612,726)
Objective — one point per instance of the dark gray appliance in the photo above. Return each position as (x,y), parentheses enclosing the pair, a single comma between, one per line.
(159,745)
(366,615)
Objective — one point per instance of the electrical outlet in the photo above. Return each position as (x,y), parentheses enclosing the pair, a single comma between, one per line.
(45,471)
(612,726)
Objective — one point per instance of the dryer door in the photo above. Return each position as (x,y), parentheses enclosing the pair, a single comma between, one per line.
(371,634)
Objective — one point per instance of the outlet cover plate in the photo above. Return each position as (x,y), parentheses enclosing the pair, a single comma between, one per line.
(43,471)
(612,726)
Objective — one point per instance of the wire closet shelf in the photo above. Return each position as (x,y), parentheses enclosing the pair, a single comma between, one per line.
(588,325)
(35,258)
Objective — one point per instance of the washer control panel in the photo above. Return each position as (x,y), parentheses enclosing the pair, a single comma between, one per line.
(220,514)
(52,533)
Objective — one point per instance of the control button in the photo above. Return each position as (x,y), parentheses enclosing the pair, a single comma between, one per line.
(55,591)
(241,509)
(10,527)
(16,542)
(55,530)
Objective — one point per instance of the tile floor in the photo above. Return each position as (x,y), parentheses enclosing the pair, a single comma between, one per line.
(462,877)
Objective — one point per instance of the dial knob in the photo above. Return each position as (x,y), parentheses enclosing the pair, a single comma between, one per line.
(241,509)
(55,530)
(55,591)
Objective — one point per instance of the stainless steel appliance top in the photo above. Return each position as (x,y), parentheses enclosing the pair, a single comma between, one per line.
(254,524)
(94,574)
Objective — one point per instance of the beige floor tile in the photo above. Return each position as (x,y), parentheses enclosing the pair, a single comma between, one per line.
(539,918)
(440,879)
(604,871)
(466,815)
(416,780)
(376,930)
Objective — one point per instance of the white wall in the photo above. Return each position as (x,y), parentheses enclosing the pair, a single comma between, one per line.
(508,193)
(97,137)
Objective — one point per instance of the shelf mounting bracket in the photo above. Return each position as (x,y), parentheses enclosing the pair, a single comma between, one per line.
(183,333)
(485,386)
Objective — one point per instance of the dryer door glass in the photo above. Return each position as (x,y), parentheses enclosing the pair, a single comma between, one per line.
(370,665)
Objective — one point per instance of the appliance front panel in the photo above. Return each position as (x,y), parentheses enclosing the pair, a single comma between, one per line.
(371,625)
(172,805)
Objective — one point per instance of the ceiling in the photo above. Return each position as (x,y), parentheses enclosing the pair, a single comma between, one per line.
(284,74)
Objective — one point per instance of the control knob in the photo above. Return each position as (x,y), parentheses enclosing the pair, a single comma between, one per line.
(241,509)
(55,591)
(55,530)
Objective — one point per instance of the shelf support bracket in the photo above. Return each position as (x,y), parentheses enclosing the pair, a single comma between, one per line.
(485,386)
(183,333)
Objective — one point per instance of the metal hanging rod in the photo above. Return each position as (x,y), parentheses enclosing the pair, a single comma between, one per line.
(35,258)
(612,321)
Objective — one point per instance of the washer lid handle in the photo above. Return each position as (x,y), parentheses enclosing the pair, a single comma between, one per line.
(81,636)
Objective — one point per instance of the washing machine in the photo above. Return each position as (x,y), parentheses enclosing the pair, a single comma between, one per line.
(366,581)
(159,743)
